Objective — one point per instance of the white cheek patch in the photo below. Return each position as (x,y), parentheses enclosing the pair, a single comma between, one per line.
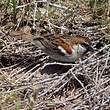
(62,50)
(79,48)
(75,47)
(82,49)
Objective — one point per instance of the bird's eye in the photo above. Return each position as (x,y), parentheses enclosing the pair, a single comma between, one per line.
(88,47)
(84,45)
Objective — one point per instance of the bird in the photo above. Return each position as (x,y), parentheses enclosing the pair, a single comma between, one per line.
(64,48)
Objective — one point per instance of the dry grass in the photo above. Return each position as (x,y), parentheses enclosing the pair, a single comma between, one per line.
(30,80)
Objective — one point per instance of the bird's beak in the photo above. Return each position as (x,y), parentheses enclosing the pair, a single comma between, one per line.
(91,48)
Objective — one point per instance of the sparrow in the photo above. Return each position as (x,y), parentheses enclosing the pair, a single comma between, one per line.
(64,48)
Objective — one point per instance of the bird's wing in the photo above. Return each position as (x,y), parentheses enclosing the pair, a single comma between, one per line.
(53,42)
